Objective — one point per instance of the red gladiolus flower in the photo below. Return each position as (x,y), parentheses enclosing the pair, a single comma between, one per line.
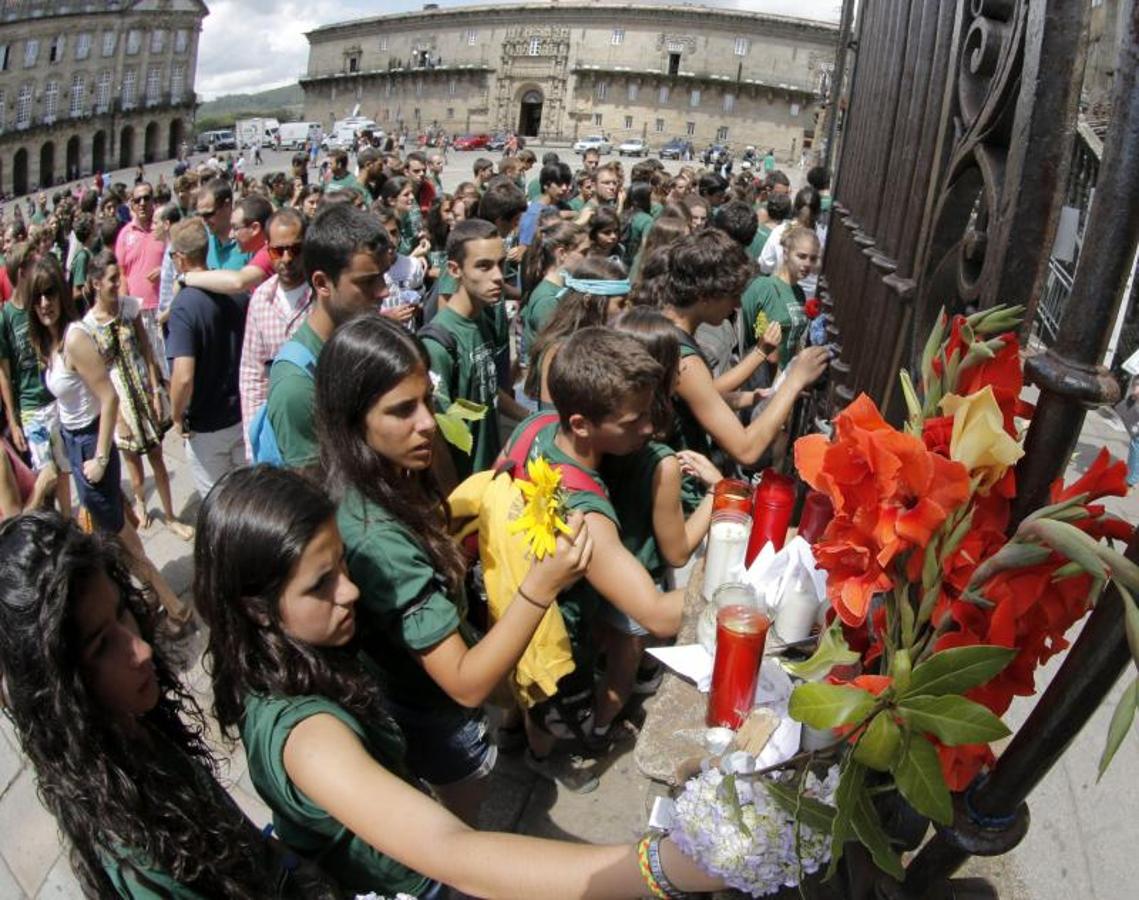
(812,308)
(1003,374)
(960,765)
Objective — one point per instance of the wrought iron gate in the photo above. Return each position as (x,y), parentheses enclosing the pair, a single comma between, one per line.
(955,158)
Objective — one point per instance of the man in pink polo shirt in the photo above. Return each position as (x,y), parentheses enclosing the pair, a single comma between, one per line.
(139,252)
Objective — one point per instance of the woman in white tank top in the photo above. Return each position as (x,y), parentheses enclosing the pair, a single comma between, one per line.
(75,373)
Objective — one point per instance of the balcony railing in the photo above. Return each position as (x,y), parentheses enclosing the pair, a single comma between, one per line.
(17,10)
(771,83)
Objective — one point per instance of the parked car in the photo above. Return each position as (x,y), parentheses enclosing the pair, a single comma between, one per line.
(593,142)
(471,142)
(497,143)
(633,147)
(223,139)
(676,149)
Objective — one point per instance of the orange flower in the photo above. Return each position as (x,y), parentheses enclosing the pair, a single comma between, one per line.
(890,495)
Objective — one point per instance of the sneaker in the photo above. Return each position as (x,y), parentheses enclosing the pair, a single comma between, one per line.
(571,772)
(649,677)
(615,734)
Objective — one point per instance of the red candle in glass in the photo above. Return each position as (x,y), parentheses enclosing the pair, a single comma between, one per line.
(741,632)
(732,493)
(817,513)
(771,512)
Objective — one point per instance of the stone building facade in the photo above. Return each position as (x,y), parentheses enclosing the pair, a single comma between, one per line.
(93,85)
(563,70)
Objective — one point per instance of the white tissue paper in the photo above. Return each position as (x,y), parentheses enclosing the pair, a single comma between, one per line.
(772,574)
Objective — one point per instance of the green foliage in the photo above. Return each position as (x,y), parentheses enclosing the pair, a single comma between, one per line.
(918,776)
(830,705)
(811,812)
(1121,721)
(832,651)
(952,719)
(958,670)
(453,423)
(878,746)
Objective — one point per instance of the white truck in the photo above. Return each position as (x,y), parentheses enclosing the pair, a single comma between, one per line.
(296,135)
(257,132)
(345,131)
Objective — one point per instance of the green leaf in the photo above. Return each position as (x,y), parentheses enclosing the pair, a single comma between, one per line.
(1130,621)
(455,431)
(813,813)
(958,669)
(954,720)
(832,651)
(868,827)
(1067,540)
(830,705)
(730,796)
(932,345)
(918,776)
(911,398)
(955,537)
(878,745)
(467,409)
(1121,721)
(851,785)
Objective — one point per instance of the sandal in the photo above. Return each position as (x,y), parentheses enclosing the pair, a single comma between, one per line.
(142,514)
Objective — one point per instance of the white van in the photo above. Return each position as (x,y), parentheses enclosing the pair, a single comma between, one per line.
(296,135)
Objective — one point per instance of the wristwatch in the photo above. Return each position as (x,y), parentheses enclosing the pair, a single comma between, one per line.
(181,279)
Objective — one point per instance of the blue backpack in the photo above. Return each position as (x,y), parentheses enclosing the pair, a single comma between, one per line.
(261,436)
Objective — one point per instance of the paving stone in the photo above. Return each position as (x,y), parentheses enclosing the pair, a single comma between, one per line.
(11,759)
(61,883)
(30,840)
(9,887)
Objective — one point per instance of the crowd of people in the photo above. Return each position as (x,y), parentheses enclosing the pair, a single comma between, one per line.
(642,332)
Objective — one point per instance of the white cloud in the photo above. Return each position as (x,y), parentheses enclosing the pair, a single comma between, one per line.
(251,47)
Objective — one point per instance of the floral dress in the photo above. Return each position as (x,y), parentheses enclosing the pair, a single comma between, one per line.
(118,344)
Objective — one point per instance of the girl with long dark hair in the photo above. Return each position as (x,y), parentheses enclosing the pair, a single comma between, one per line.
(596,291)
(555,249)
(605,234)
(116,741)
(77,375)
(375,421)
(636,219)
(115,323)
(323,754)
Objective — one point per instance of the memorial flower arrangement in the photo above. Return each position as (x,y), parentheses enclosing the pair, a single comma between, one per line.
(940,617)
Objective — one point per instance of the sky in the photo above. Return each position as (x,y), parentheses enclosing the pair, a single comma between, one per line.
(249,46)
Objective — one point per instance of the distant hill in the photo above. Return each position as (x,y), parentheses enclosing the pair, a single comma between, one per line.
(285,103)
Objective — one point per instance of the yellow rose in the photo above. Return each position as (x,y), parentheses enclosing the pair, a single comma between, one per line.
(979,441)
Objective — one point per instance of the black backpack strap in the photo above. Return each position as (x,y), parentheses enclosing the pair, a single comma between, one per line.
(441,336)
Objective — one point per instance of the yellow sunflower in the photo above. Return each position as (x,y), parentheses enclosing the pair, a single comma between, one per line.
(544,514)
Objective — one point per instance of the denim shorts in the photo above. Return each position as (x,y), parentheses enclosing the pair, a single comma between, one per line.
(45,441)
(445,745)
(104,500)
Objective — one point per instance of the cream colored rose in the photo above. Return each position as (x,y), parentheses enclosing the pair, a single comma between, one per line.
(979,441)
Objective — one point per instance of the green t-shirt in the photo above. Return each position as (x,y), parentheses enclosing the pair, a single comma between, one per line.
(541,305)
(576,204)
(756,246)
(578,603)
(448,283)
(469,374)
(409,227)
(641,223)
(291,404)
(137,882)
(630,482)
(349,183)
(16,347)
(533,189)
(404,606)
(79,267)
(688,433)
(781,303)
(300,823)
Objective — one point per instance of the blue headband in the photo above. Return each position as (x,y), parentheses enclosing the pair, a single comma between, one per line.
(599,288)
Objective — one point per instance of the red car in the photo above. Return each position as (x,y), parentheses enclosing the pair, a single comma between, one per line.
(471,142)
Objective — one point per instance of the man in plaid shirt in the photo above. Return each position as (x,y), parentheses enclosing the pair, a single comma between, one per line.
(276,310)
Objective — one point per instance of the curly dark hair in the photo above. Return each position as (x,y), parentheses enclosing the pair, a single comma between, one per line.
(363,360)
(112,801)
(252,529)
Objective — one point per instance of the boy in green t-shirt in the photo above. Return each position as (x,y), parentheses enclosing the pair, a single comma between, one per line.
(346,254)
(461,340)
(602,383)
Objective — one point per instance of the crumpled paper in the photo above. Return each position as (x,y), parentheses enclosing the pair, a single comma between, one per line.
(772,573)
